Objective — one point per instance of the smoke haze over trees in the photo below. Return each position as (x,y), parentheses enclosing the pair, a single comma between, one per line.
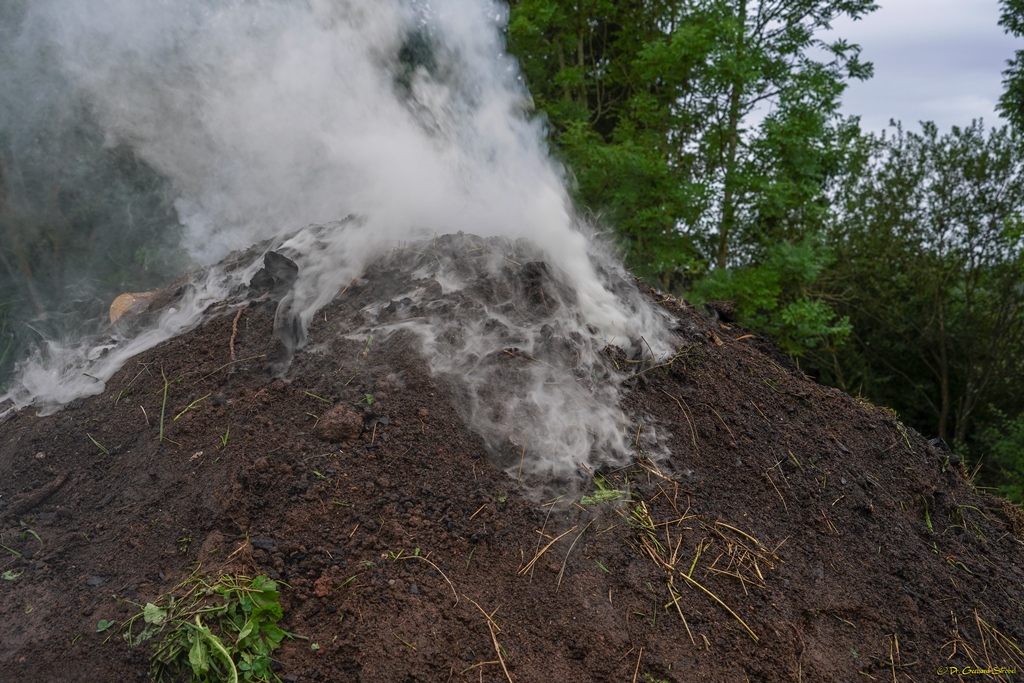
(80,220)
(707,132)
(706,136)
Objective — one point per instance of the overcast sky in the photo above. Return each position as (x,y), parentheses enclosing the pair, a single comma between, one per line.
(938,60)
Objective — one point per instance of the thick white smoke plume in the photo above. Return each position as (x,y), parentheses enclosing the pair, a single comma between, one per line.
(269,115)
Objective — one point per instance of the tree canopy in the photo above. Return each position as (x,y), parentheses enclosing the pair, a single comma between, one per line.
(702,129)
(708,133)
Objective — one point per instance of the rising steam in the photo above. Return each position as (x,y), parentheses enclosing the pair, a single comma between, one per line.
(270,115)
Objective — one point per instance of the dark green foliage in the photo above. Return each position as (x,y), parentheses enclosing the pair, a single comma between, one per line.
(930,271)
(650,106)
(1011,103)
(777,296)
(1003,444)
(594,72)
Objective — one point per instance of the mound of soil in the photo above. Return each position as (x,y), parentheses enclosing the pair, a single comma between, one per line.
(792,533)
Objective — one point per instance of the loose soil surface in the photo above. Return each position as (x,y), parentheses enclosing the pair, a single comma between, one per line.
(792,533)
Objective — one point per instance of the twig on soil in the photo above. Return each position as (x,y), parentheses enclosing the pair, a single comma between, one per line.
(830,525)
(121,393)
(1009,648)
(239,550)
(529,565)
(191,406)
(714,597)
(97,444)
(659,554)
(562,570)
(346,287)
(772,482)
(551,506)
(234,330)
(240,360)
(741,533)
(743,561)
(761,414)
(731,436)
(479,664)
(958,642)
(493,628)
(522,356)
(892,659)
(648,466)
(678,354)
(163,406)
(636,671)
(675,601)
(693,431)
(408,645)
(438,569)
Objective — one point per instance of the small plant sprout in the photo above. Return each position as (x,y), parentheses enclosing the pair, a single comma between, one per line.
(604,493)
(26,532)
(11,575)
(369,399)
(224,437)
(104,625)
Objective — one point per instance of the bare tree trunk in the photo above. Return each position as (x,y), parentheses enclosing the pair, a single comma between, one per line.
(732,147)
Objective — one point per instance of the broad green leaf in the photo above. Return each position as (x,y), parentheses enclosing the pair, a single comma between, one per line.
(246,630)
(199,656)
(153,614)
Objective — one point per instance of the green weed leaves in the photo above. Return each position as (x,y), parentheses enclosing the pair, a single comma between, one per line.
(221,631)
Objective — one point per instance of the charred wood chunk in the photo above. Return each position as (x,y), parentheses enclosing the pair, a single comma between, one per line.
(722,310)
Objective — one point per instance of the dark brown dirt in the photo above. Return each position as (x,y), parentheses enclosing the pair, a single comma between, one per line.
(850,548)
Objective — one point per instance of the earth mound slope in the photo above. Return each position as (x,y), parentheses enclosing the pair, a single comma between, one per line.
(764,528)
